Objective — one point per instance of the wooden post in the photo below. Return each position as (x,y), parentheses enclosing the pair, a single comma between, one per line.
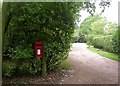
(44,66)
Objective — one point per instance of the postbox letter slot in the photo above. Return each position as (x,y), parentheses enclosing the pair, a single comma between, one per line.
(38,52)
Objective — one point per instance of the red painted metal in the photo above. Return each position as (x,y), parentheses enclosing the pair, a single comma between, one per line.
(38,49)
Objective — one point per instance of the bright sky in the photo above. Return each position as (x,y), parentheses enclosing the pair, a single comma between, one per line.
(110,13)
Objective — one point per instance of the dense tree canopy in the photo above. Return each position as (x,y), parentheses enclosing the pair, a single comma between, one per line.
(52,23)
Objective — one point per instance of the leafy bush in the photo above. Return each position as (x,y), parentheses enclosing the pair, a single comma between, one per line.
(100,33)
(104,42)
(8,68)
(92,25)
(89,38)
(22,61)
(107,42)
(115,42)
(76,35)
(51,23)
(97,42)
(82,38)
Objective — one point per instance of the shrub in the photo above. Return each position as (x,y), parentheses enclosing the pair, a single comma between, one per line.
(82,38)
(97,42)
(51,23)
(115,42)
(76,35)
(89,38)
(75,38)
(108,42)
(8,68)
(105,42)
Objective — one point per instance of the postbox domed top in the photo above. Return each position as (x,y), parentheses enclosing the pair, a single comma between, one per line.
(38,43)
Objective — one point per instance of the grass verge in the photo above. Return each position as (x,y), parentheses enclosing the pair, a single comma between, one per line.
(105,53)
(65,65)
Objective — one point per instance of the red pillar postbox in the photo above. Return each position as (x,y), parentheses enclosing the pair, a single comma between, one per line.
(38,49)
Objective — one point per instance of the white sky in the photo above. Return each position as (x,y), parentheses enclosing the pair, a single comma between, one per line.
(111,13)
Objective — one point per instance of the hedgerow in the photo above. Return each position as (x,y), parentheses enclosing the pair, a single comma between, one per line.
(108,42)
(51,23)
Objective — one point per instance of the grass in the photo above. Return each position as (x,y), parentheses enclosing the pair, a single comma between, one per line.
(65,65)
(105,54)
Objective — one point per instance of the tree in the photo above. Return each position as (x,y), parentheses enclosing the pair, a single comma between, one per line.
(52,23)
(97,27)
(85,27)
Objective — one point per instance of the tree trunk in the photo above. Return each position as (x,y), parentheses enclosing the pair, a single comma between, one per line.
(4,16)
(5,21)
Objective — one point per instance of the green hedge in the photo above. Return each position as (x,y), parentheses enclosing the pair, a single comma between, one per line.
(116,41)
(104,42)
(89,38)
(108,42)
(51,23)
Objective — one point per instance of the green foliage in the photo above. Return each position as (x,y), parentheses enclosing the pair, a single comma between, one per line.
(115,42)
(110,28)
(89,38)
(82,38)
(85,27)
(105,53)
(100,33)
(65,65)
(35,67)
(21,67)
(97,42)
(51,23)
(103,42)
(108,42)
(97,27)
(119,40)
(76,35)
(8,68)
(21,53)
(88,27)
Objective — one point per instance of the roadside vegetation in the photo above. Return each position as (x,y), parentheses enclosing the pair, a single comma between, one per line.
(98,32)
(50,23)
(107,54)
(66,65)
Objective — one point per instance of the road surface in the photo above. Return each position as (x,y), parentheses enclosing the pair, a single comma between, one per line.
(90,68)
